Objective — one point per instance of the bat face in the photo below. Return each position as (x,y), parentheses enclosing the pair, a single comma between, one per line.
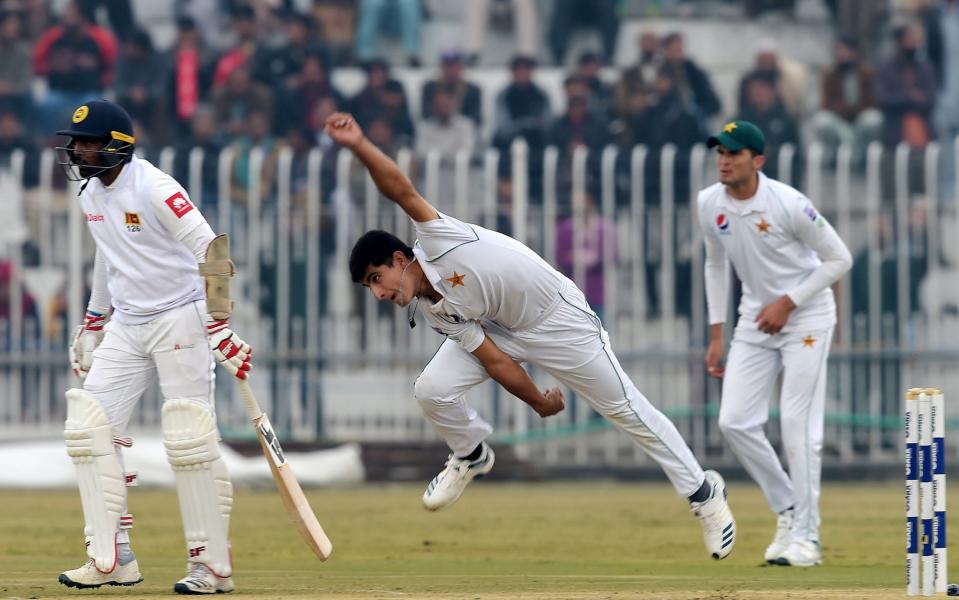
(292,494)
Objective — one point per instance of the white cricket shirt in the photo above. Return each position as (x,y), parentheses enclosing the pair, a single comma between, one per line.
(139,223)
(483,276)
(779,245)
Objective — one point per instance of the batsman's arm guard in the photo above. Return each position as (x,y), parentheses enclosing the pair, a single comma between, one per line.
(217,271)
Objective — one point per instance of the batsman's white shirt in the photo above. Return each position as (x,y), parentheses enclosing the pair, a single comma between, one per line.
(779,245)
(493,285)
(138,223)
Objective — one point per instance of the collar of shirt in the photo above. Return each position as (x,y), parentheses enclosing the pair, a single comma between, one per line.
(431,273)
(123,179)
(743,207)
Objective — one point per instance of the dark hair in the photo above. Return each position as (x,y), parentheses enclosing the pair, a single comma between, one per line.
(375,248)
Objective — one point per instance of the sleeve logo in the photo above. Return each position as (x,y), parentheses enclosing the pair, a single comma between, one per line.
(179,204)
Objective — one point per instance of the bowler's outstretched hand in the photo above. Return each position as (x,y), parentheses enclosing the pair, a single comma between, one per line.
(344,129)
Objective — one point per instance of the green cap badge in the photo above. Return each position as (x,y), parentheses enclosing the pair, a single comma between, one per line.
(737,135)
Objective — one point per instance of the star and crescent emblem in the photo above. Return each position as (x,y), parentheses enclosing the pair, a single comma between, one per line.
(456,279)
(808,341)
(762,226)
(728,127)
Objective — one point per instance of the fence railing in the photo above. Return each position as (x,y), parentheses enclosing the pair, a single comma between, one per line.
(332,363)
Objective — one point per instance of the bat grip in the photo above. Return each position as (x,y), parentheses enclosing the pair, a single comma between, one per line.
(249,400)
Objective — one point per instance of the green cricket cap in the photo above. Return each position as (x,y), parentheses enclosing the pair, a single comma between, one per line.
(737,135)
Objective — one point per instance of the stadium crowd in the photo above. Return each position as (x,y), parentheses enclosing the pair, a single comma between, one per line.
(259,73)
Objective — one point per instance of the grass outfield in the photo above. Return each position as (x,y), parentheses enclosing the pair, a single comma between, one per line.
(504,541)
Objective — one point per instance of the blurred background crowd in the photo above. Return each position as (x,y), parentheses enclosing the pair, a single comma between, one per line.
(455,75)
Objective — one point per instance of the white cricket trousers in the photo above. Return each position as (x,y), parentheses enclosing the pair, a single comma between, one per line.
(173,349)
(752,367)
(572,346)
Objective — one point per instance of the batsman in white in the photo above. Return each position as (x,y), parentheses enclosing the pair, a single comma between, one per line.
(787,256)
(499,304)
(151,247)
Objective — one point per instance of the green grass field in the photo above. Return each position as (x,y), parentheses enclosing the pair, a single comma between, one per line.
(503,541)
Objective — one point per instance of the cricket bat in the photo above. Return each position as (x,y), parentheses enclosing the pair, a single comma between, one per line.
(293,498)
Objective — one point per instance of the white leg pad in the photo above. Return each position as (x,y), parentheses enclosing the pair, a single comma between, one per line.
(103,493)
(202,482)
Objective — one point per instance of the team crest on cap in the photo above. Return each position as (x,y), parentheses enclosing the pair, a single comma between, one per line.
(728,127)
(81,113)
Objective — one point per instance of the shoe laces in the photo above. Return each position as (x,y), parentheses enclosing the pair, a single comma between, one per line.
(197,570)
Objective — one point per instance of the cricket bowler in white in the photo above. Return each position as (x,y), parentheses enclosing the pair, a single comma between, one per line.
(146,319)
(500,304)
(787,256)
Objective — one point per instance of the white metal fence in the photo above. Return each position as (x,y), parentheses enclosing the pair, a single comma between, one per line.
(332,363)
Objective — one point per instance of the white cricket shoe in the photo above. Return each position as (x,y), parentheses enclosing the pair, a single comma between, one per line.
(801,553)
(447,487)
(783,537)
(201,580)
(88,576)
(719,526)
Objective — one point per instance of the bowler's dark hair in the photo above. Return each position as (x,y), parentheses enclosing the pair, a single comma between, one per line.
(375,249)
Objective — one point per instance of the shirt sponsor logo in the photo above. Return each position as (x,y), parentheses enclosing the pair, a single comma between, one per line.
(133,222)
(811,213)
(179,204)
(92,217)
(722,223)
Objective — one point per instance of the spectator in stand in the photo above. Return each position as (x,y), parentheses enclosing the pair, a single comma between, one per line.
(235,102)
(763,107)
(637,85)
(384,97)
(569,15)
(302,91)
(596,232)
(137,87)
(947,109)
(280,67)
(692,85)
(190,76)
(667,119)
(12,138)
(76,58)
(256,133)
(600,92)
(445,130)
(371,20)
(465,96)
(27,306)
(848,113)
(788,77)
(204,135)
(522,109)
(119,12)
(579,125)
(525,18)
(15,75)
(906,92)
(244,28)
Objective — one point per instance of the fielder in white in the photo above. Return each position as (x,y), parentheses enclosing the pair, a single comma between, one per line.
(787,256)
(499,304)
(151,248)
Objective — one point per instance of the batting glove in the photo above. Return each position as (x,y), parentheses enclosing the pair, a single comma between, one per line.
(229,350)
(86,338)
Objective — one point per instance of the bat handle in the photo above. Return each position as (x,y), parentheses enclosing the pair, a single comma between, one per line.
(249,400)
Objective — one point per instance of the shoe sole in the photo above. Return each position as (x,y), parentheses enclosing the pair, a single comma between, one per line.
(182,588)
(85,586)
(784,562)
